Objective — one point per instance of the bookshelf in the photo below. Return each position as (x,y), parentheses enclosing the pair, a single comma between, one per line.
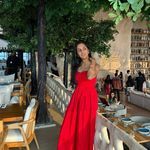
(140,51)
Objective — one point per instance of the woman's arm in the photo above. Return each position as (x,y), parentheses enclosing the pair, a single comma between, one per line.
(93,69)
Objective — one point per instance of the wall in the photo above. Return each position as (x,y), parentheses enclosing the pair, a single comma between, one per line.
(120,48)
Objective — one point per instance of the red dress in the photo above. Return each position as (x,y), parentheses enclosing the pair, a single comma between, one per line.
(78,128)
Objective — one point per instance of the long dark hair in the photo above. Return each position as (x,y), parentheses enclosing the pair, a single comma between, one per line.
(78,59)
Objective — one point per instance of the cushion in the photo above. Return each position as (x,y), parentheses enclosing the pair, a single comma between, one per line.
(5,93)
(148,95)
(137,92)
(14,100)
(28,112)
(14,135)
(7,78)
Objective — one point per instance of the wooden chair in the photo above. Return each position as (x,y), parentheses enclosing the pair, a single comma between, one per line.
(27,90)
(22,134)
(2,136)
(18,95)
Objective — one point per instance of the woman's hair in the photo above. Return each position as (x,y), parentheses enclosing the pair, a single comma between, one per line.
(77,61)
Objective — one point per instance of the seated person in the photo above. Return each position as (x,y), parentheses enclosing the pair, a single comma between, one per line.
(112,99)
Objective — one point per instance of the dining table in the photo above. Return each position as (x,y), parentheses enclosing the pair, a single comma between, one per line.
(131,129)
(12,113)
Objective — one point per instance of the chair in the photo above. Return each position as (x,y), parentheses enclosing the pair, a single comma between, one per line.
(19,74)
(21,134)
(27,89)
(27,92)
(2,135)
(18,94)
(14,100)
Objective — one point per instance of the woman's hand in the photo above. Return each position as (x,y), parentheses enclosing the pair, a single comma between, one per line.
(93,69)
(93,62)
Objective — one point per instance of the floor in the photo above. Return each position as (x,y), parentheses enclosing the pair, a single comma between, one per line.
(48,137)
(133,109)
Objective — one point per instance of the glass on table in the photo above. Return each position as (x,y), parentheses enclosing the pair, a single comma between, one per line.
(115,122)
(133,130)
(132,134)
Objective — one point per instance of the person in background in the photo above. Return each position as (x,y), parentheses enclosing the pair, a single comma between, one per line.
(117,72)
(54,69)
(13,64)
(125,80)
(116,83)
(112,98)
(130,83)
(107,86)
(127,75)
(139,81)
(52,66)
(144,86)
(121,78)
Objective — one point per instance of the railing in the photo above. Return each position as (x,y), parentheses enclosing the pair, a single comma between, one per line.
(102,141)
(115,139)
(58,93)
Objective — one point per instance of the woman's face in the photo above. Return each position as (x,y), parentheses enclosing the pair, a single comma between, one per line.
(112,94)
(82,51)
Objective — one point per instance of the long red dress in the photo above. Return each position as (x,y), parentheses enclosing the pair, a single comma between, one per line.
(78,128)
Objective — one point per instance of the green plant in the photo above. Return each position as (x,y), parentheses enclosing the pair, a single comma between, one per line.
(129,8)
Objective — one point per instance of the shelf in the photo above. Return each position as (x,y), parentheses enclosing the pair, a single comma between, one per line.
(140,33)
(140,51)
(142,48)
(140,40)
(140,68)
(140,54)
(139,61)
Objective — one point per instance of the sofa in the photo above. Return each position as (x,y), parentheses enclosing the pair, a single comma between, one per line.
(140,99)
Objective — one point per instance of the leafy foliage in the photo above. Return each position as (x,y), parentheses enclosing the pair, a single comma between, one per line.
(17,23)
(65,26)
(64,32)
(129,8)
(66,22)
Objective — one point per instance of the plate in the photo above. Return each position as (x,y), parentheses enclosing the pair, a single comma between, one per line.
(126,120)
(140,119)
(107,108)
(146,124)
(147,127)
(3,105)
(101,104)
(144,131)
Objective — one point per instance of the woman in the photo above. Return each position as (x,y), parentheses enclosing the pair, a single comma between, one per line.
(121,78)
(78,128)
(112,98)
(107,86)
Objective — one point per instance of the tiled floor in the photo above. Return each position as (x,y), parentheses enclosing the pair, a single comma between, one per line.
(48,137)
(132,109)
